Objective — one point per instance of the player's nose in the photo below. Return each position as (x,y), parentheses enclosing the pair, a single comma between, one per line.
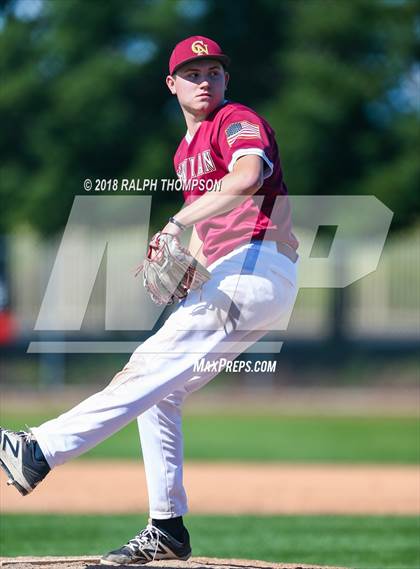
(205,81)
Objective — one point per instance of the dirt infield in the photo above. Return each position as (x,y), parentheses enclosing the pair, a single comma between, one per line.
(193,563)
(402,400)
(228,488)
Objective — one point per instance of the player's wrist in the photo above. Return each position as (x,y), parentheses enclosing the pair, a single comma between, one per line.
(175,221)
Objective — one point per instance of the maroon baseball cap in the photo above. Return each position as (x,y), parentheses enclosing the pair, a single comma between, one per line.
(196,47)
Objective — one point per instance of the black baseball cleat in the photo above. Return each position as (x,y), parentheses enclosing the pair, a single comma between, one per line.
(22,460)
(151,544)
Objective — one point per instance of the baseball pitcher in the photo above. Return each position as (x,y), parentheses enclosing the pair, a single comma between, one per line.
(234,281)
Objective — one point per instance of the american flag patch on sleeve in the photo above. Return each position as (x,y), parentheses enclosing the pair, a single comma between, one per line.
(241,129)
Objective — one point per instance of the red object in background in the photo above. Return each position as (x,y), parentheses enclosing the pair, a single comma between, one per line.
(8,327)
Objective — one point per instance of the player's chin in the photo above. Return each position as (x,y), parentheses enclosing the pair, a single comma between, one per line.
(205,105)
(203,102)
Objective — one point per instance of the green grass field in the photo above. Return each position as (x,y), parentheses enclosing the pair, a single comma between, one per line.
(359,542)
(370,542)
(272,437)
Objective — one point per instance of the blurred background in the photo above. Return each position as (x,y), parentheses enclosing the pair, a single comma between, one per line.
(83,95)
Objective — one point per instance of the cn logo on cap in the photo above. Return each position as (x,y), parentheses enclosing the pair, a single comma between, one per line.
(200,48)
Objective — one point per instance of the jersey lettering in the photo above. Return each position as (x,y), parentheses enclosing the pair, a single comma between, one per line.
(192,171)
(208,162)
(194,166)
(199,165)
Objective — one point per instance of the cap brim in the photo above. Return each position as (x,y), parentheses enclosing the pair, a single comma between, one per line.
(224,60)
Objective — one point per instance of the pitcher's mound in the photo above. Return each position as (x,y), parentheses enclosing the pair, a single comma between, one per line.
(193,563)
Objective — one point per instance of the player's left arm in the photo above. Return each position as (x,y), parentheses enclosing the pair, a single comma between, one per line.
(246,179)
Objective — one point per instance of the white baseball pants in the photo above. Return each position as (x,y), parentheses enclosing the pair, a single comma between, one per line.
(252,290)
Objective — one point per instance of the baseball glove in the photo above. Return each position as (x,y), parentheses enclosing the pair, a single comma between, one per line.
(170,271)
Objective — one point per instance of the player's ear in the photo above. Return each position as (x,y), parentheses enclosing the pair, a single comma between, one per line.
(170,81)
(227,77)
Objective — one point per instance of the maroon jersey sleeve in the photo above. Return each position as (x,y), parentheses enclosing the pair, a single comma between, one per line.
(244,132)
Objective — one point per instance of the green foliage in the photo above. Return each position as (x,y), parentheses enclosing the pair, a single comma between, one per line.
(369,542)
(347,107)
(82,94)
(268,437)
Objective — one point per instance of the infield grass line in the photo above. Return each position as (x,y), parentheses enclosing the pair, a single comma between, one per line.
(270,437)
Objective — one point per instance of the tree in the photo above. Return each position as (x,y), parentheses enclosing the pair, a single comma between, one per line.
(82,95)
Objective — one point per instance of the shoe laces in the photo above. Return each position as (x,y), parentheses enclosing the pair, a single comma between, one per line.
(28,436)
(144,538)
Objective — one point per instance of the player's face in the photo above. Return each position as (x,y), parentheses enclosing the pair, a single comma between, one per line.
(200,86)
